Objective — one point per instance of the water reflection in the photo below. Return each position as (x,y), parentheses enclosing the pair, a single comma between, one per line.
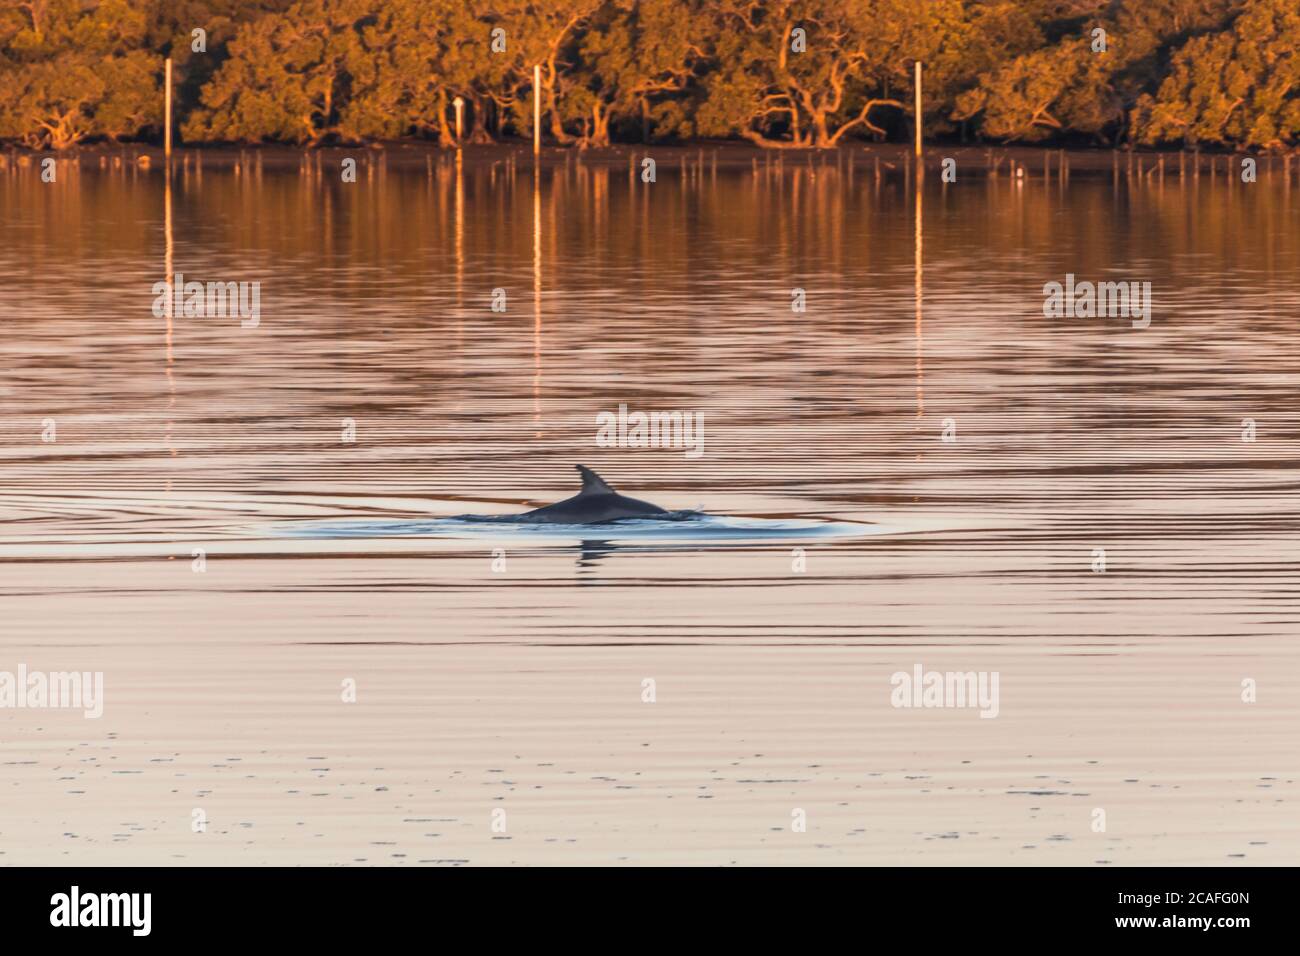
(920,347)
(590,555)
(924,303)
(537,300)
(169,273)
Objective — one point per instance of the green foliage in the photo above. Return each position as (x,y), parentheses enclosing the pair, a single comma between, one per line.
(779,73)
(638,61)
(68,73)
(1240,86)
(286,76)
(774,86)
(1064,87)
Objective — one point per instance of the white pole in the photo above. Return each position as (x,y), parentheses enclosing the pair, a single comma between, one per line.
(918,108)
(167,119)
(537,109)
(459,103)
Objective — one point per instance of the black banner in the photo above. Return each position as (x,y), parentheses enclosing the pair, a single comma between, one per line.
(332,906)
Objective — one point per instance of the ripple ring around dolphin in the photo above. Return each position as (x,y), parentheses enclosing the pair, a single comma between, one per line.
(596,512)
(684,528)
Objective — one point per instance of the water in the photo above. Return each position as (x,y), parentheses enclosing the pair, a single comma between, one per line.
(689,531)
(502,668)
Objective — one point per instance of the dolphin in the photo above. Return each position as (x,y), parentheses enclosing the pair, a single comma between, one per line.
(596,502)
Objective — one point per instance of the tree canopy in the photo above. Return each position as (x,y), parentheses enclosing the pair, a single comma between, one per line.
(777,73)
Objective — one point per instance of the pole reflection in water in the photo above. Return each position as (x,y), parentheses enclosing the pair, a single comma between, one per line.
(169,273)
(537,299)
(916,267)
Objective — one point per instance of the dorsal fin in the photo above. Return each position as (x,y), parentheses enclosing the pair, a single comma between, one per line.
(592,483)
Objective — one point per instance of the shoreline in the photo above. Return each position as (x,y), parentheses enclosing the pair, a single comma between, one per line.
(1035,161)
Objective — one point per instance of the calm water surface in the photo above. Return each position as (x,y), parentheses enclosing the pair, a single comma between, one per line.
(499,670)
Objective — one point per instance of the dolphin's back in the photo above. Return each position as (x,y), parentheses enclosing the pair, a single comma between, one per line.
(589,509)
(595,503)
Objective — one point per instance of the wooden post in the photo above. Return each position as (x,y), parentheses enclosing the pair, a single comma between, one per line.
(167,110)
(537,109)
(918,109)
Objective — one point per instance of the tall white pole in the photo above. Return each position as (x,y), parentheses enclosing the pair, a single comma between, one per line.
(167,110)
(537,109)
(918,108)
